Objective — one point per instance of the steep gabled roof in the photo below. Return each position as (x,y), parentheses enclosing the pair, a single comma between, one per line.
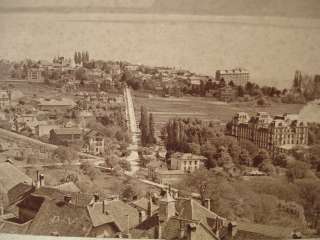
(63,219)
(115,211)
(143,204)
(77,198)
(193,210)
(19,191)
(10,176)
(62,131)
(92,133)
(67,187)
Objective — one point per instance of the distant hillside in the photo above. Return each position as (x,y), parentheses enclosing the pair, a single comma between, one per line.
(285,8)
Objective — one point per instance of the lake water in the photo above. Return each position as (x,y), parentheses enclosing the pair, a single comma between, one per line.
(270,48)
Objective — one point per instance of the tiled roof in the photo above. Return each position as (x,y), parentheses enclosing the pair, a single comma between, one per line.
(187,156)
(171,172)
(77,198)
(188,210)
(63,219)
(68,187)
(31,202)
(10,176)
(191,209)
(154,164)
(14,228)
(61,131)
(117,212)
(53,102)
(92,133)
(19,191)
(265,230)
(143,204)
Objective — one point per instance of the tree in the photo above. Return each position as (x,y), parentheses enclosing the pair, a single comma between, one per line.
(151,137)
(244,158)
(200,181)
(144,126)
(65,154)
(263,156)
(128,192)
(124,164)
(240,91)
(297,170)
(281,160)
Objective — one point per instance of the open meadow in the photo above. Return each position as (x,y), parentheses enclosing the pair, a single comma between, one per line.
(205,109)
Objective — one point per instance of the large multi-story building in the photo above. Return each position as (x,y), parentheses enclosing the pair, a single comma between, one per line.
(270,132)
(5,98)
(34,75)
(238,76)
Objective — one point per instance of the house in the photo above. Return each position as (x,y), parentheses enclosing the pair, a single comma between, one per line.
(186,161)
(111,218)
(10,176)
(146,207)
(25,120)
(94,143)
(65,136)
(183,218)
(43,129)
(169,177)
(5,99)
(226,94)
(60,218)
(153,167)
(55,105)
(34,75)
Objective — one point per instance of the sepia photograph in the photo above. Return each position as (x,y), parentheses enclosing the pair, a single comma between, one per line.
(160,119)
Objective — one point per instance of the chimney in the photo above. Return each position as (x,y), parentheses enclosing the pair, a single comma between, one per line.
(67,198)
(208,204)
(232,229)
(41,180)
(149,211)
(1,211)
(182,230)
(190,228)
(159,233)
(96,197)
(37,180)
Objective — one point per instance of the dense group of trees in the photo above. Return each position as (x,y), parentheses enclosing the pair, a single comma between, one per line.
(147,127)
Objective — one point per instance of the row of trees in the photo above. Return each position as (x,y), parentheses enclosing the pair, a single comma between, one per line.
(147,127)
(81,57)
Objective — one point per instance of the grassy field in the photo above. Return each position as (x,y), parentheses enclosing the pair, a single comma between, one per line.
(203,108)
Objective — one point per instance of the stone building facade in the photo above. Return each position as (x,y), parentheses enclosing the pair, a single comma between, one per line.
(270,132)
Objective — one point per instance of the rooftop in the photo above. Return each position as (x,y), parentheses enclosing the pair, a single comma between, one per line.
(11,176)
(60,218)
(115,211)
(62,131)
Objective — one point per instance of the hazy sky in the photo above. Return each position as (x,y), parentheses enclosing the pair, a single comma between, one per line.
(76,3)
(285,8)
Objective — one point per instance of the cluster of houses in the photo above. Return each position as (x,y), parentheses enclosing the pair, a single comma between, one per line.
(61,121)
(63,70)
(31,206)
(166,81)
